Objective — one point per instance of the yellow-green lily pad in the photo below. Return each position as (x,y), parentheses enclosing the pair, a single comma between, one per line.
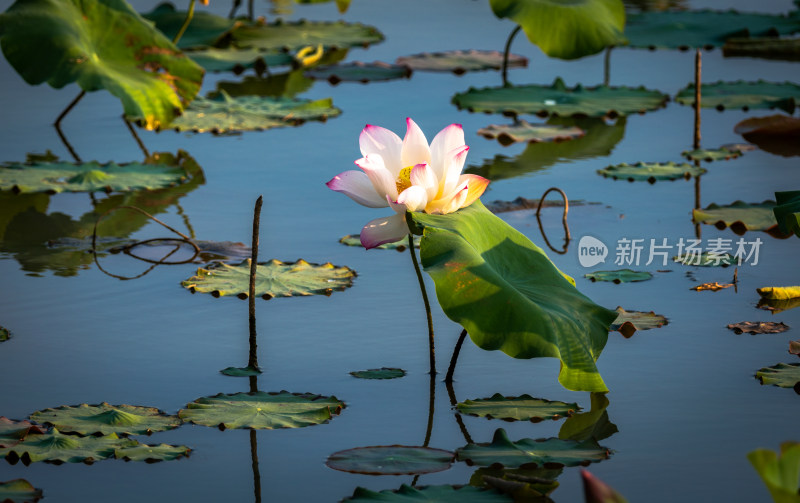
(105,419)
(517,408)
(55,447)
(461,62)
(19,491)
(628,322)
(523,131)
(739,216)
(651,171)
(785,375)
(151,453)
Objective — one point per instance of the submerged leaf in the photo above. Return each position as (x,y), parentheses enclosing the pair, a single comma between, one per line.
(739,216)
(460,62)
(785,375)
(758,327)
(516,408)
(744,95)
(651,171)
(619,276)
(523,131)
(381,373)
(19,491)
(508,295)
(433,494)
(592,424)
(105,418)
(780,473)
(273,279)
(359,72)
(391,460)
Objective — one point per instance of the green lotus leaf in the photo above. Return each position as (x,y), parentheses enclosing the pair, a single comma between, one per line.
(14,432)
(237,61)
(780,473)
(204,29)
(628,322)
(787,211)
(241,371)
(516,408)
(5,334)
(600,140)
(682,29)
(381,373)
(739,216)
(460,62)
(259,410)
(438,494)
(523,131)
(19,491)
(402,245)
(224,114)
(705,259)
(508,295)
(651,171)
(566,29)
(558,99)
(273,279)
(592,424)
(524,484)
(709,155)
(105,419)
(293,36)
(551,452)
(785,375)
(359,72)
(758,327)
(55,447)
(619,276)
(786,49)
(779,292)
(54,177)
(744,95)
(281,85)
(100,45)
(391,460)
(151,453)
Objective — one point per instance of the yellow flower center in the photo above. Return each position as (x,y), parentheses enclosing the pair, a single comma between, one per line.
(404,179)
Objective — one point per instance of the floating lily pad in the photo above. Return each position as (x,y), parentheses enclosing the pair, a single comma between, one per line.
(523,131)
(19,491)
(55,447)
(786,49)
(780,473)
(260,410)
(105,418)
(619,276)
(5,334)
(705,259)
(461,62)
(438,494)
(714,287)
(709,155)
(54,177)
(241,371)
(273,279)
(391,460)
(151,453)
(739,216)
(551,452)
(381,373)
(238,60)
(785,375)
(682,29)
(204,29)
(787,211)
(224,114)
(651,171)
(402,245)
(560,100)
(758,327)
(14,432)
(777,134)
(744,95)
(359,72)
(517,408)
(628,322)
(296,35)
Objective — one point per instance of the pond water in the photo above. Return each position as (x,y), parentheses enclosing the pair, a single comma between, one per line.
(683,397)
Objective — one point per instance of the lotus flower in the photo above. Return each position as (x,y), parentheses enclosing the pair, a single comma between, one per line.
(408,175)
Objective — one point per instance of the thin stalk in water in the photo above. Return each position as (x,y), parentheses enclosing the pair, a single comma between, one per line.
(188,20)
(136,137)
(431,349)
(506,52)
(453,359)
(252,361)
(698,63)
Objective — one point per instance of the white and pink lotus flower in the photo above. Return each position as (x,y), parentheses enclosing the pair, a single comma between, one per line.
(408,175)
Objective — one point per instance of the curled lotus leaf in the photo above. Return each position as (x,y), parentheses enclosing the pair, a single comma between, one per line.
(55,447)
(709,155)
(238,60)
(525,453)
(19,491)
(619,276)
(5,334)
(14,432)
(787,211)
(705,259)
(438,494)
(560,100)
(786,49)
(651,171)
(295,35)
(461,62)
(105,419)
(204,29)
(226,114)
(684,29)
(273,279)
(54,177)
(780,472)
(260,410)
(628,322)
(758,327)
(785,375)
(391,460)
(402,245)
(100,45)
(713,287)
(381,373)
(739,216)
(779,292)
(523,131)
(517,408)
(151,453)
(566,29)
(358,71)
(744,95)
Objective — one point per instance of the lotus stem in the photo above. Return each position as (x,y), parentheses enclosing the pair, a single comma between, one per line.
(254,459)
(60,117)
(136,137)
(71,152)
(453,359)
(506,52)
(698,63)
(607,66)
(252,362)
(250,11)
(185,218)
(453,401)
(567,235)
(234,8)
(431,403)
(431,349)
(189,16)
